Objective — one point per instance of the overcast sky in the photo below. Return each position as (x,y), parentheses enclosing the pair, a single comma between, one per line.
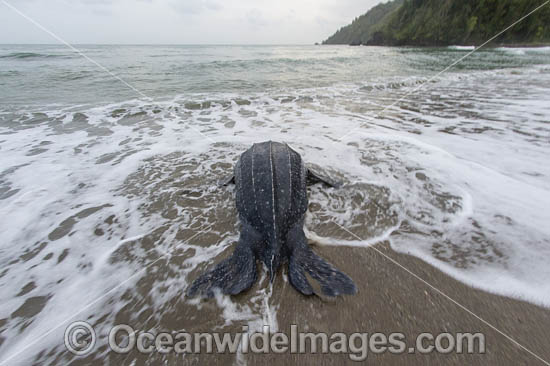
(179,21)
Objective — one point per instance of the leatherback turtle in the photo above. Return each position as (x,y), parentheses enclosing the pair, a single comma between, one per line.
(271,198)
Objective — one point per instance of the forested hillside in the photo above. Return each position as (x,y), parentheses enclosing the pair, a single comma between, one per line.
(360,30)
(447,22)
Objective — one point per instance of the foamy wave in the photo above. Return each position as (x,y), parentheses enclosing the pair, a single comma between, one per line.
(462,48)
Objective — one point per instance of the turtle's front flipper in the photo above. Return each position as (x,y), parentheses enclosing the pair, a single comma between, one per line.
(313,177)
(232,275)
(227,181)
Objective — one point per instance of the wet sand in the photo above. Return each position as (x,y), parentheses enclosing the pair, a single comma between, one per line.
(392,300)
(389,300)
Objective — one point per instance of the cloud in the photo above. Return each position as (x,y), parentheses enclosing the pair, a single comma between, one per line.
(180,21)
(194,7)
(255,18)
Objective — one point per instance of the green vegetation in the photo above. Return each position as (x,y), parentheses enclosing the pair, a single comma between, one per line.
(447,22)
(360,30)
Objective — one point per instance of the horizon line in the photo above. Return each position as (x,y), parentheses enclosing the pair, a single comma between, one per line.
(163,44)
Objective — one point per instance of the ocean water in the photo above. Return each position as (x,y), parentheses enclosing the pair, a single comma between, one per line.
(109,196)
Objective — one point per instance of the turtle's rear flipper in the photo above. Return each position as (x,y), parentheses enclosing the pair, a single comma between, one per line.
(231,276)
(305,263)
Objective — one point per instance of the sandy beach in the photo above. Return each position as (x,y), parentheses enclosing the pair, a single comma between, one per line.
(389,300)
